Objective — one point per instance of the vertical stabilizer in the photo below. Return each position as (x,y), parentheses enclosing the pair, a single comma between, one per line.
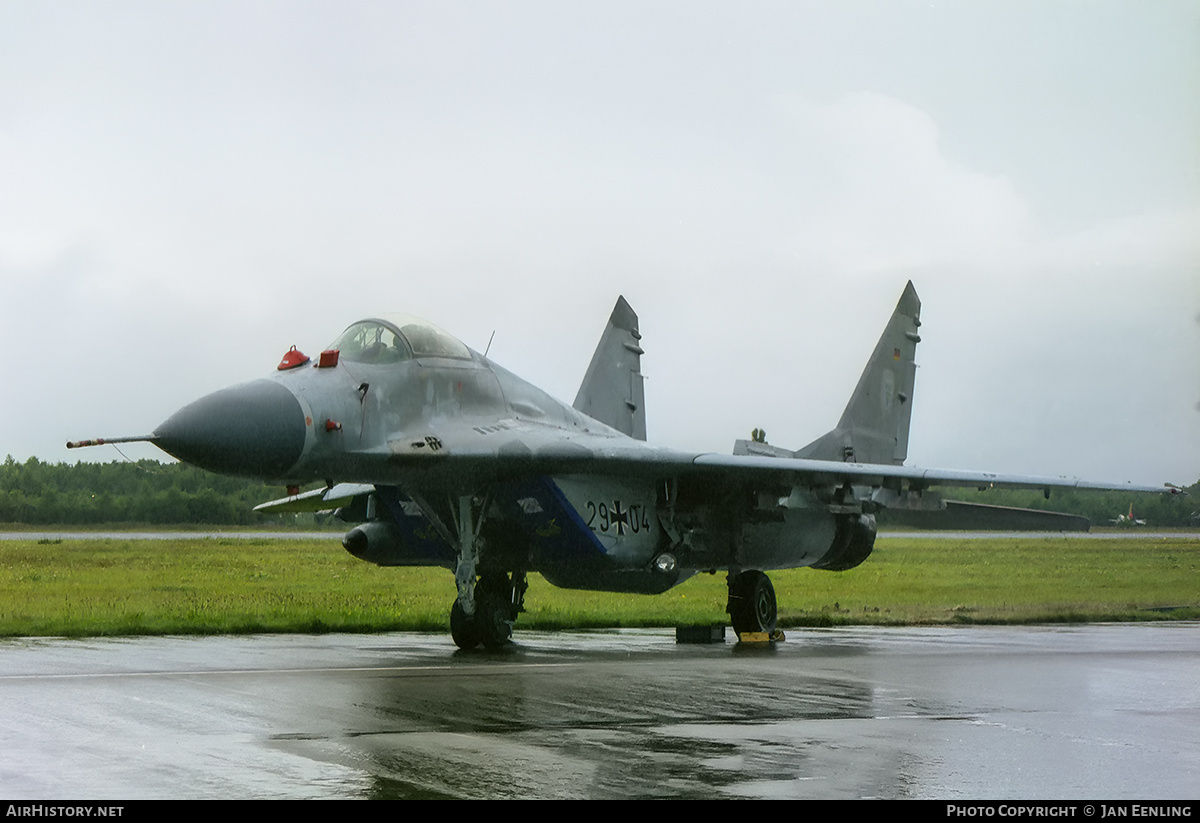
(612,390)
(874,426)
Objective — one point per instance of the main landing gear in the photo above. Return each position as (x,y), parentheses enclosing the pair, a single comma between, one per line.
(498,601)
(752,606)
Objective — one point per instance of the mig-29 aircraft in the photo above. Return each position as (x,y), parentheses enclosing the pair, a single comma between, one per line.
(443,458)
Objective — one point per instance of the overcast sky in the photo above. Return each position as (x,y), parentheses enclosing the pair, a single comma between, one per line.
(189,188)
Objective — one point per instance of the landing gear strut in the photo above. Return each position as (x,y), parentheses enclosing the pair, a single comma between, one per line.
(752,605)
(498,600)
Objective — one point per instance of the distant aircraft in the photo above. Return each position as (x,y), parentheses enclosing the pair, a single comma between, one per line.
(1127,520)
(443,458)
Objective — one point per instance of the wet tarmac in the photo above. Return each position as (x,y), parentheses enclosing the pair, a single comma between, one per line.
(336,536)
(1103,711)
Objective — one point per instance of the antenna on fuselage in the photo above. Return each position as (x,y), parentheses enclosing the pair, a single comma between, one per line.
(489,345)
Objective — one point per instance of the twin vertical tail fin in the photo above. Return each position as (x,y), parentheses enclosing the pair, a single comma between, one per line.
(612,390)
(874,426)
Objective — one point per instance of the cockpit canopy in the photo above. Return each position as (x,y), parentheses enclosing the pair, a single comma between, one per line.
(394,338)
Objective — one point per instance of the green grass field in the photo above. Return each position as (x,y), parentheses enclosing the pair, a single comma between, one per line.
(206,586)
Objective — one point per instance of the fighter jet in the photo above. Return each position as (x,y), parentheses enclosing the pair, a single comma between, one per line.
(1127,519)
(443,458)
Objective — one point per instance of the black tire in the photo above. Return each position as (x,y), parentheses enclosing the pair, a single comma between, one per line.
(752,606)
(494,615)
(462,628)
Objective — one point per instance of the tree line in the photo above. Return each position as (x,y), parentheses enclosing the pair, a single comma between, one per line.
(134,492)
(146,492)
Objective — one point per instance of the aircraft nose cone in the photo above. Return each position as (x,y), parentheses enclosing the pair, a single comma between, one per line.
(255,430)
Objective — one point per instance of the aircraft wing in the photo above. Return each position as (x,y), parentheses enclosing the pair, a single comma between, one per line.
(527,450)
(824,472)
(466,458)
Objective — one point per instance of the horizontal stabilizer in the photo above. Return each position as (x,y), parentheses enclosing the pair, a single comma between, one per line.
(971,516)
(760,449)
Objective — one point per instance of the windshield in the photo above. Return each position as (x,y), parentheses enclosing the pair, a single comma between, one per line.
(370,342)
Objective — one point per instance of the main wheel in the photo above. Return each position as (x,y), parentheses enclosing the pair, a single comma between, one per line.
(462,627)
(752,606)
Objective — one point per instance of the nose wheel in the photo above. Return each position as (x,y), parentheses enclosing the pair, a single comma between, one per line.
(752,606)
(462,627)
